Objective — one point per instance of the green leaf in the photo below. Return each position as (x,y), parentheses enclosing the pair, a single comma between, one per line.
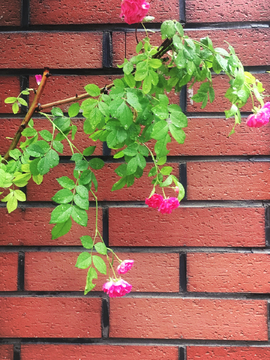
(29,132)
(81,202)
(50,160)
(82,191)
(121,170)
(63,196)
(5,179)
(166,170)
(45,134)
(167,182)
(141,161)
(63,123)
(79,216)
(179,28)
(10,100)
(147,84)
(177,42)
(139,47)
(15,154)
(87,242)
(167,29)
(38,149)
(178,118)
(101,248)
(119,184)
(57,112)
(161,111)
(130,80)
(124,114)
(22,101)
(19,195)
(58,146)
(84,260)
(133,99)
(141,74)
(21,180)
(73,131)
(66,182)
(132,165)
(61,214)
(155,63)
(96,163)
(12,204)
(128,68)
(153,171)
(89,150)
(15,108)
(61,229)
(81,165)
(37,179)
(100,264)
(211,94)
(92,90)
(178,134)
(86,177)
(160,130)
(91,275)
(73,110)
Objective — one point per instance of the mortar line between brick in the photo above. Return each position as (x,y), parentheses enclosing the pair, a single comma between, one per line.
(25,13)
(137,342)
(182,353)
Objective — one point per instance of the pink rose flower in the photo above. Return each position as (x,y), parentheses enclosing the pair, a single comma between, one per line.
(38,79)
(117,288)
(154,201)
(134,11)
(168,205)
(261,118)
(125,266)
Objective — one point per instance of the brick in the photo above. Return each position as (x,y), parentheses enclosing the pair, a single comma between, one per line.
(56,272)
(106,178)
(119,48)
(188,319)
(49,49)
(10,13)
(10,86)
(209,137)
(230,353)
(30,227)
(102,12)
(219,11)
(59,87)
(8,271)
(228,272)
(220,104)
(228,180)
(6,352)
(187,227)
(245,42)
(50,317)
(98,352)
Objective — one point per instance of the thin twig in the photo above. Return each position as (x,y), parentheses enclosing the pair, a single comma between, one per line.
(29,113)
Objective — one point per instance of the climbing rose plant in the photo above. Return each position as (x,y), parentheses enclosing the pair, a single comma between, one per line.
(135,119)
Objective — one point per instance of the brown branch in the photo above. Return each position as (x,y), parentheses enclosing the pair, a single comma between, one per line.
(29,113)
(71,99)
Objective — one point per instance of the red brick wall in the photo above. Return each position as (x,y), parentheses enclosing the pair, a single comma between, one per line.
(201,275)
